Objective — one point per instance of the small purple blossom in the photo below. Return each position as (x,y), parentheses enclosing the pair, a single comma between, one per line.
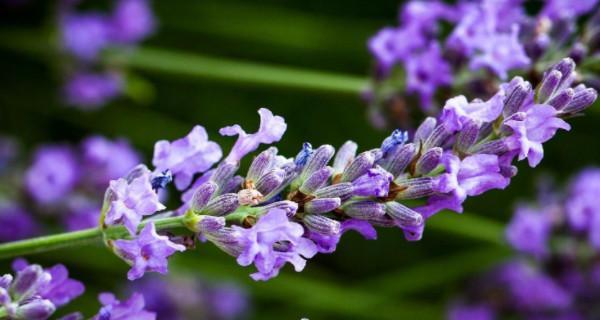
(53,174)
(376,182)
(132,308)
(132,21)
(148,252)
(92,90)
(106,160)
(426,72)
(272,242)
(129,201)
(85,35)
(271,129)
(529,231)
(458,111)
(186,156)
(16,223)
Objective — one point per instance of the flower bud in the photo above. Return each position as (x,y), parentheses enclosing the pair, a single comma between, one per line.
(321,224)
(270,181)
(397,161)
(317,160)
(222,205)
(304,154)
(322,205)
(364,209)
(562,99)
(416,188)
(261,164)
(28,281)
(438,137)
(376,183)
(548,85)
(515,98)
(223,173)
(403,215)
(397,138)
(289,207)
(467,136)
(424,130)
(37,309)
(581,100)
(340,190)
(358,167)
(5,281)
(566,67)
(202,195)
(497,147)
(316,180)
(232,185)
(414,233)
(344,156)
(428,161)
(207,224)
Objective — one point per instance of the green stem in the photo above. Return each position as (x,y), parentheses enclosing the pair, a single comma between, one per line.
(196,65)
(78,238)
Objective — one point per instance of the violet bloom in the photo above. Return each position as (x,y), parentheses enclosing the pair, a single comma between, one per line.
(129,201)
(132,21)
(148,252)
(16,223)
(500,53)
(540,125)
(273,241)
(53,174)
(107,160)
(92,90)
(389,45)
(529,231)
(425,72)
(582,205)
(566,9)
(458,111)
(113,309)
(271,130)
(471,312)
(470,176)
(227,301)
(85,35)
(82,214)
(376,183)
(187,156)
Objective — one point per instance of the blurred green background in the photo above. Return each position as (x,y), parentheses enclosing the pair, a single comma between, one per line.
(385,279)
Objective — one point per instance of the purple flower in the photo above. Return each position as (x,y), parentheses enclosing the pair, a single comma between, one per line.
(132,21)
(529,231)
(471,312)
(565,9)
(271,130)
(53,174)
(540,125)
(272,242)
(148,252)
(129,201)
(113,309)
(376,183)
(106,160)
(328,243)
(85,35)
(471,176)
(92,90)
(532,290)
(500,53)
(582,205)
(82,214)
(458,111)
(227,301)
(16,223)
(389,45)
(425,72)
(186,156)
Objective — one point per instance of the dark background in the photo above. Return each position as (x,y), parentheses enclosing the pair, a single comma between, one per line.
(388,278)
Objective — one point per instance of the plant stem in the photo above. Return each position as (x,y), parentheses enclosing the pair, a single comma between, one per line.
(78,238)
(196,65)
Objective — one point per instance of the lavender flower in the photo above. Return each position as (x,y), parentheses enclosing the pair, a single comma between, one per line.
(130,200)
(85,35)
(148,252)
(132,21)
(35,293)
(271,130)
(426,72)
(53,174)
(529,231)
(132,308)
(272,242)
(106,160)
(92,90)
(16,223)
(186,156)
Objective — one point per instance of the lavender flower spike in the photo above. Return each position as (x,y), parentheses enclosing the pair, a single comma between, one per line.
(129,201)
(186,156)
(271,130)
(113,309)
(146,253)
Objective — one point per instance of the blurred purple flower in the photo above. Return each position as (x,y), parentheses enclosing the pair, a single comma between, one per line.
(16,223)
(425,72)
(500,53)
(529,231)
(113,309)
(582,205)
(567,9)
(106,160)
(132,21)
(85,35)
(82,214)
(53,174)
(92,90)
(471,312)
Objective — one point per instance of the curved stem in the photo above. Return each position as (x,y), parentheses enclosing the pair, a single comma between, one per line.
(78,238)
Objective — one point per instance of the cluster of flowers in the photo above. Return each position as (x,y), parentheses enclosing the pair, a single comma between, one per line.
(86,34)
(289,209)
(34,293)
(495,36)
(557,273)
(62,182)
